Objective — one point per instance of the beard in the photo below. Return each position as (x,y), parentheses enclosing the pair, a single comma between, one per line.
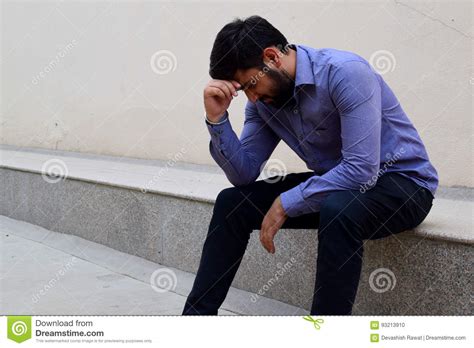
(282,90)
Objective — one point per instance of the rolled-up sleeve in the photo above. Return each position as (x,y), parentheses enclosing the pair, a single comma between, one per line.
(356,93)
(241,158)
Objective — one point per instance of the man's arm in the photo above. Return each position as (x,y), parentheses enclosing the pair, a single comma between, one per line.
(241,159)
(356,93)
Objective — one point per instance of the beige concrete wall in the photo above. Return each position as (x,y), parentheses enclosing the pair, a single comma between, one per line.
(80,76)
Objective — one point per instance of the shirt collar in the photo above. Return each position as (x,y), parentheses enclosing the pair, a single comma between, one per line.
(304,68)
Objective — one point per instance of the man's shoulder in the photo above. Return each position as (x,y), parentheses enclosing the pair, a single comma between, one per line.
(331,56)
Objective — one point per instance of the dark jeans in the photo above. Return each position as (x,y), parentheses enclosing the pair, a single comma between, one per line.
(345,220)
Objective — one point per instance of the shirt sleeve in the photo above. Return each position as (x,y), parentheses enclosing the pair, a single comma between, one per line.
(356,93)
(241,158)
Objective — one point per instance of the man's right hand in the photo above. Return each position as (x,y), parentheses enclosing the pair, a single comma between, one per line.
(217,97)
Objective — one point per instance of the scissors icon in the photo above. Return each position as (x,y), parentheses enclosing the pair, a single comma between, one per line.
(315,322)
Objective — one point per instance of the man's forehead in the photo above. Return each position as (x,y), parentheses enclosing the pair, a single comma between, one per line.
(244,76)
(239,76)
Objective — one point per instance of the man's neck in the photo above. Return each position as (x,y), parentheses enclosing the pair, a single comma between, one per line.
(289,63)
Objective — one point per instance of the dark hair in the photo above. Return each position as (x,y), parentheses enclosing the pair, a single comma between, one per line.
(240,44)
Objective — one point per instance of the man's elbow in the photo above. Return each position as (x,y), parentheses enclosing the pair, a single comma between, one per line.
(239,182)
(242,180)
(367,176)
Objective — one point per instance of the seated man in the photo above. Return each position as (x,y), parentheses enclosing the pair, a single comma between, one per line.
(370,176)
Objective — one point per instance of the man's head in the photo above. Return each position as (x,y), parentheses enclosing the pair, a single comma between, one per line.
(255,54)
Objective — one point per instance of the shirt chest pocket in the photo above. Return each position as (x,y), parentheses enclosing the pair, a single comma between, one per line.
(323,135)
(319,128)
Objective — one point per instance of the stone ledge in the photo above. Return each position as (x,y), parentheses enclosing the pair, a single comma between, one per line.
(450,219)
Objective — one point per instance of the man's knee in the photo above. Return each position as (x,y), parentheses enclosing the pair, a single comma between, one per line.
(228,199)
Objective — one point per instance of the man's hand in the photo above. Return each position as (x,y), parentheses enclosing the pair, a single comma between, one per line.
(272,222)
(217,97)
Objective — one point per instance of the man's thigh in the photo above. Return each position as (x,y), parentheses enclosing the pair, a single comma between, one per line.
(395,204)
(255,199)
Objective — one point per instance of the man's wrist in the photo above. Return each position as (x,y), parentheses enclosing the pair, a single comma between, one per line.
(222,119)
(281,209)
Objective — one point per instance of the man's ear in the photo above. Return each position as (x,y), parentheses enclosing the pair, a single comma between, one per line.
(271,56)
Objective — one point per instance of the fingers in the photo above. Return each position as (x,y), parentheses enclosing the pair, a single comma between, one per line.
(231,88)
(266,238)
(215,91)
(224,88)
(271,247)
(227,87)
(236,84)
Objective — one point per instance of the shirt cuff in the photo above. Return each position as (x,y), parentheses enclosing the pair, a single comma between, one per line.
(222,119)
(294,203)
(220,132)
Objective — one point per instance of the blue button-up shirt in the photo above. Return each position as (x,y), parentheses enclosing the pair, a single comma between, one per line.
(345,123)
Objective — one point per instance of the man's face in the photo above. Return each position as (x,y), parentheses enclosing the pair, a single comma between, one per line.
(269,85)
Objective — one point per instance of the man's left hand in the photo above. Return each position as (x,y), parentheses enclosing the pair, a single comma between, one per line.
(272,222)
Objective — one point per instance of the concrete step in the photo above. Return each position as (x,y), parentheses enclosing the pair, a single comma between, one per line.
(160,211)
(50,273)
